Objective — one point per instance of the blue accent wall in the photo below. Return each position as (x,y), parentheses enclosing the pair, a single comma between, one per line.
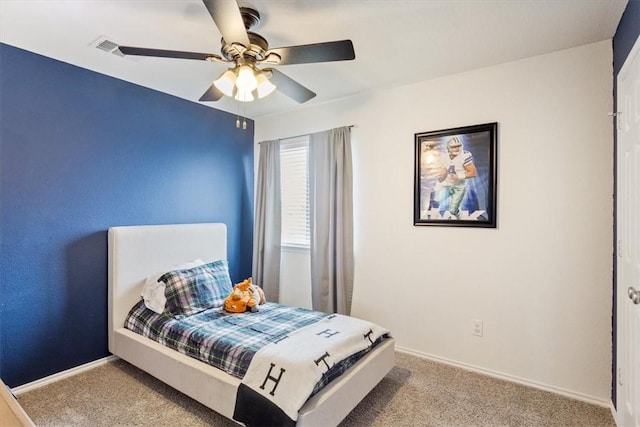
(623,41)
(626,34)
(81,152)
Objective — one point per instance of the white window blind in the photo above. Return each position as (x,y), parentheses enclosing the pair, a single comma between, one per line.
(294,182)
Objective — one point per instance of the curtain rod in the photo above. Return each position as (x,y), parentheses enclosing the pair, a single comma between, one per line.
(305,134)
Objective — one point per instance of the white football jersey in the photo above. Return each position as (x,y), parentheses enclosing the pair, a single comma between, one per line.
(456,166)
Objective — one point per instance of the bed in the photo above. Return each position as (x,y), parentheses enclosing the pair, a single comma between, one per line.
(135,252)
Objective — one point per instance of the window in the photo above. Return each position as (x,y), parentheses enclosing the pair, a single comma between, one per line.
(294,182)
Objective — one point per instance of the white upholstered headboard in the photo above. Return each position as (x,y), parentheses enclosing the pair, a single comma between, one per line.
(136,252)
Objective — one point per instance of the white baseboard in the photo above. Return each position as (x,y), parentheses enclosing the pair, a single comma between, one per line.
(567,393)
(615,414)
(61,375)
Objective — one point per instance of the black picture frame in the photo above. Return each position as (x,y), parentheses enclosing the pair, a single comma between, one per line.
(456,177)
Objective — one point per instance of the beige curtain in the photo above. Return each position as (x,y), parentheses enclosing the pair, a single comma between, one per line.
(267,222)
(331,211)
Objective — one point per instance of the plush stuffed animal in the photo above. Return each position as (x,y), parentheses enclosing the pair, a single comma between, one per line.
(245,296)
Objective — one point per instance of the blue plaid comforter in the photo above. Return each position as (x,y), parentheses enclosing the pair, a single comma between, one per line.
(224,340)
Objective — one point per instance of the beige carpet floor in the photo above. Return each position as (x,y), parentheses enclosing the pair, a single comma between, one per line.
(417,392)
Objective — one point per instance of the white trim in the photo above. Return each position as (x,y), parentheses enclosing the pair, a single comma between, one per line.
(614,413)
(499,375)
(62,375)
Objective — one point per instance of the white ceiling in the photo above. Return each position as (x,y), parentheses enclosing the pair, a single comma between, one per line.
(396,42)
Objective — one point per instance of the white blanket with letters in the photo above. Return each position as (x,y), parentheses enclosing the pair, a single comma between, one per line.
(286,371)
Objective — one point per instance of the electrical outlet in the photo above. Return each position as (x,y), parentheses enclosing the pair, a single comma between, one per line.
(476,325)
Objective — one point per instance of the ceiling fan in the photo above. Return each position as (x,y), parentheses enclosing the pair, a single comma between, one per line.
(244,81)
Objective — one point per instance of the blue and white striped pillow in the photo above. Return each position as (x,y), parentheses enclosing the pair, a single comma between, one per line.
(193,290)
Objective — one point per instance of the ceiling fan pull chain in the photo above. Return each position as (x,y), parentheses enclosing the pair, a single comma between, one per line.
(238,115)
(244,116)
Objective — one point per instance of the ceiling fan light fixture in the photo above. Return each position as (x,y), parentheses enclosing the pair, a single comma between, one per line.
(226,82)
(244,96)
(246,81)
(265,87)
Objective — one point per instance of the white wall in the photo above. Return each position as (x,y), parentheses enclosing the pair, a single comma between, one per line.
(541,281)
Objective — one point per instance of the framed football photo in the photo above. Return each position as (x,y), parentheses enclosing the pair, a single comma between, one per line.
(456,177)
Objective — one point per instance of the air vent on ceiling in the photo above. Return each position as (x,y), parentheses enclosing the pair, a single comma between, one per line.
(107,45)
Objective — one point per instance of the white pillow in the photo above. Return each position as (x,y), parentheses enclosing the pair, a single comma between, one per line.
(153,291)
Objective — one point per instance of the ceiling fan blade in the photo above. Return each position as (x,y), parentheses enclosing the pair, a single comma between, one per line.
(212,94)
(341,50)
(141,51)
(227,17)
(290,87)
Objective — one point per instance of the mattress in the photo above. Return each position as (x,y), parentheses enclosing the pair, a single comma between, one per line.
(229,341)
(224,340)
